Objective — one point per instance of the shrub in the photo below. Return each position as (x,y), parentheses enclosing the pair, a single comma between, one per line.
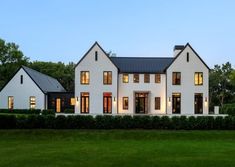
(69,111)
(142,122)
(156,122)
(126,122)
(165,122)
(7,121)
(104,122)
(48,112)
(228,109)
(21,111)
(60,122)
(179,122)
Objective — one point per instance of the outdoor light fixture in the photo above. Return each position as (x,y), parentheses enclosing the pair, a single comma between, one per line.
(169,99)
(205,99)
(114,99)
(77,99)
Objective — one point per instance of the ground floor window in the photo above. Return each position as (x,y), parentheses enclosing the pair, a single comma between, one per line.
(11,102)
(157,103)
(32,102)
(107,103)
(125,103)
(72,101)
(84,107)
(198,103)
(176,103)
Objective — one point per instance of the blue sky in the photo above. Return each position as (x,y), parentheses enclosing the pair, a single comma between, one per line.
(63,30)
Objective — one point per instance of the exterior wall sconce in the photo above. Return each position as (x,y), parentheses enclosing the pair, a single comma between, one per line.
(205,99)
(169,99)
(77,99)
(114,99)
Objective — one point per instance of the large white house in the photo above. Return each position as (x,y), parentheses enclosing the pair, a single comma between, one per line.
(141,85)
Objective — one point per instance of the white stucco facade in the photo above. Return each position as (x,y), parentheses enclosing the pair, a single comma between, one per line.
(21,92)
(187,89)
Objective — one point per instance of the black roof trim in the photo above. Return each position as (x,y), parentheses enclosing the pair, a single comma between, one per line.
(193,51)
(96,43)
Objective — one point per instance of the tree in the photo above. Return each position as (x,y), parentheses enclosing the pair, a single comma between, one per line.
(221,86)
(11,58)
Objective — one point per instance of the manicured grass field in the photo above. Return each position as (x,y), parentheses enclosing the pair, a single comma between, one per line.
(118,148)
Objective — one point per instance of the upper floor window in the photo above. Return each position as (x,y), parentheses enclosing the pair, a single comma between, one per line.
(107,77)
(96,56)
(21,79)
(136,78)
(187,56)
(157,78)
(146,78)
(125,78)
(198,78)
(85,77)
(176,78)
(32,102)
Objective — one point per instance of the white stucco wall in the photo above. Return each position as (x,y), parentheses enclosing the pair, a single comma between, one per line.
(154,89)
(21,92)
(96,88)
(187,87)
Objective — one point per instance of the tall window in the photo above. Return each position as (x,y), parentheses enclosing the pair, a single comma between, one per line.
(198,78)
(85,77)
(136,78)
(32,102)
(176,103)
(125,103)
(84,102)
(107,77)
(146,78)
(96,56)
(21,79)
(176,78)
(10,102)
(125,78)
(107,103)
(157,103)
(187,56)
(198,103)
(157,78)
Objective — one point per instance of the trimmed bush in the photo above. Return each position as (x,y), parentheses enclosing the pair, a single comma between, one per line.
(7,121)
(20,111)
(228,109)
(69,111)
(48,112)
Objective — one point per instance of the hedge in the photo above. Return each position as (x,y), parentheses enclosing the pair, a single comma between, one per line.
(228,109)
(21,111)
(116,122)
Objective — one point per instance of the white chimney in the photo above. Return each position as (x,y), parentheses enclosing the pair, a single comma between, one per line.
(178,49)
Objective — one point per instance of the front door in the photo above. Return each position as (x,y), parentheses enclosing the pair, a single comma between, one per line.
(141,103)
(58,105)
(198,103)
(176,100)
(107,103)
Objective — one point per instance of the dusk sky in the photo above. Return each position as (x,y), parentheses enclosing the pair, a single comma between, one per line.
(63,30)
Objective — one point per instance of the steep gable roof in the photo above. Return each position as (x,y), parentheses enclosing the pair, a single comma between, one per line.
(142,64)
(96,43)
(194,53)
(43,81)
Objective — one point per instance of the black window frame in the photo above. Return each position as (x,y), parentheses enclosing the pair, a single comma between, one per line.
(106,80)
(85,97)
(157,78)
(123,75)
(147,76)
(81,75)
(138,78)
(176,78)
(198,76)
(124,107)
(21,79)
(157,103)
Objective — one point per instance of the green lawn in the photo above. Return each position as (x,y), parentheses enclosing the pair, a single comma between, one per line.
(118,148)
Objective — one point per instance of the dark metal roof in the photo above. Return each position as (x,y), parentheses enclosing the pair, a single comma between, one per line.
(43,81)
(142,64)
(178,47)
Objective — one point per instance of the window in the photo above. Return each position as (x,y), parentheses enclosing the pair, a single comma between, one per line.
(96,56)
(125,103)
(125,78)
(187,56)
(72,101)
(136,78)
(107,103)
(107,77)
(85,77)
(198,78)
(157,103)
(84,102)
(146,78)
(32,102)
(10,102)
(21,79)
(176,78)
(157,78)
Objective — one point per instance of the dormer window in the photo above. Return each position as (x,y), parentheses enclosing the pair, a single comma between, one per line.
(21,79)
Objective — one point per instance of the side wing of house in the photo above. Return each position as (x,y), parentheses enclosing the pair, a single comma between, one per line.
(96,83)
(187,84)
(21,92)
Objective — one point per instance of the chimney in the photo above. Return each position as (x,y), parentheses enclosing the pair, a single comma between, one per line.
(177,49)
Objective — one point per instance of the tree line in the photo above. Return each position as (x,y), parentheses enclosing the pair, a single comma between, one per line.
(221,77)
